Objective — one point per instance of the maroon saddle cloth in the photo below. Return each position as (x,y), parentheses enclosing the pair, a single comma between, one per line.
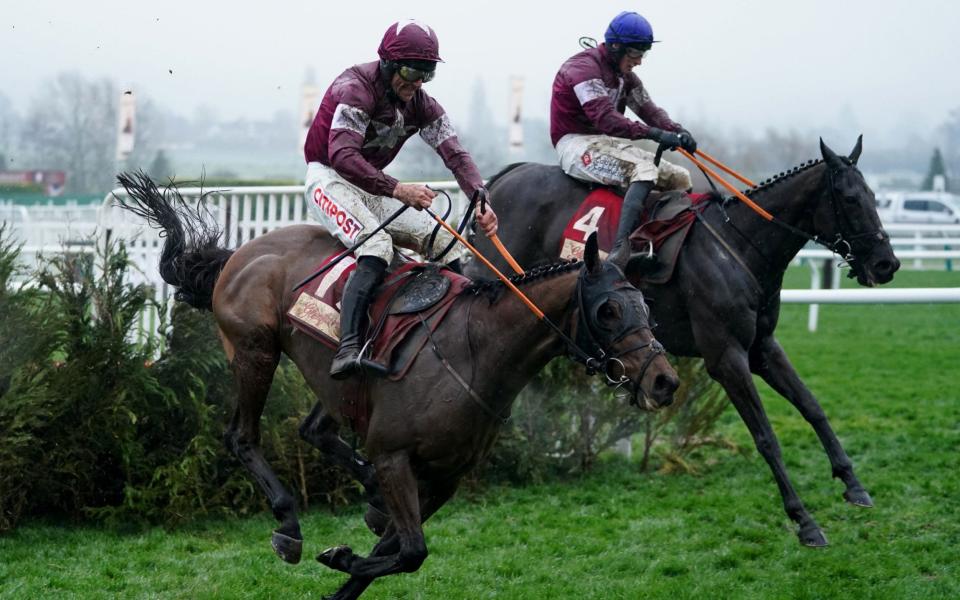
(666,225)
(316,311)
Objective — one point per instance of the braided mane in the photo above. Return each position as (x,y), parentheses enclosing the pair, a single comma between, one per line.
(783,176)
(493,288)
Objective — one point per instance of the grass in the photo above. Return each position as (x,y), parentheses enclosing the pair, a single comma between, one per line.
(886,376)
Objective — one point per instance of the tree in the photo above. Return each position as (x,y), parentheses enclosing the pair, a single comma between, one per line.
(160,169)
(72,126)
(936,168)
(9,122)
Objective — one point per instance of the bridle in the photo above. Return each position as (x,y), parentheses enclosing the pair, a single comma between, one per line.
(592,345)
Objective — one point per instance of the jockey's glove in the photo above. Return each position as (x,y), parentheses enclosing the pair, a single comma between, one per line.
(687,142)
(665,138)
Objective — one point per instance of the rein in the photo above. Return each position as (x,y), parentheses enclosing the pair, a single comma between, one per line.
(576,353)
(840,245)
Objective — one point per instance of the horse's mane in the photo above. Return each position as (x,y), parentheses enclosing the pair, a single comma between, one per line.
(503,172)
(783,176)
(493,288)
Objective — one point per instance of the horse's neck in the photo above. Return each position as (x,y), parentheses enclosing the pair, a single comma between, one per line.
(524,344)
(766,247)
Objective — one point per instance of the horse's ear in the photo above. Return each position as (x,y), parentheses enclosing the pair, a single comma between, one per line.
(855,153)
(620,254)
(829,156)
(591,255)
(638,266)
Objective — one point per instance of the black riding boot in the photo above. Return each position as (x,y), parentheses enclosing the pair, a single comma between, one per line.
(357,295)
(633,202)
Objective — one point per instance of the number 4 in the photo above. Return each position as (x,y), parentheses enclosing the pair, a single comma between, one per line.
(588,222)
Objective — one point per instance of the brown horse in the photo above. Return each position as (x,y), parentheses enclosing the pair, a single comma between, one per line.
(426,430)
(723,300)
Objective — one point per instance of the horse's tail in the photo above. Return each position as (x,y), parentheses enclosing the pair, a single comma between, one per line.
(503,172)
(191,260)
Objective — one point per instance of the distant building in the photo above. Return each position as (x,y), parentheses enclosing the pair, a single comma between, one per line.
(50,182)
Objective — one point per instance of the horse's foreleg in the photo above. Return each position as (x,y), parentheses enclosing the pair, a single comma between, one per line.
(253,372)
(769,361)
(320,430)
(730,367)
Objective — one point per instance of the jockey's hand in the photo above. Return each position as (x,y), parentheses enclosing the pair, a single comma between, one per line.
(486,220)
(665,138)
(687,142)
(416,196)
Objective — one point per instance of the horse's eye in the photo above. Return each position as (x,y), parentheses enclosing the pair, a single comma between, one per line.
(609,311)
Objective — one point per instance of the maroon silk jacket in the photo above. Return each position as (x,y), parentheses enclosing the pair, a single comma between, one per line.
(590,95)
(360,128)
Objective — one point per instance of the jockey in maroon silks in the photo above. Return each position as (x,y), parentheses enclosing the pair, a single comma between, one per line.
(365,117)
(596,142)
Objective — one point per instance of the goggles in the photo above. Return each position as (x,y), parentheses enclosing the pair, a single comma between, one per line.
(411,74)
(636,51)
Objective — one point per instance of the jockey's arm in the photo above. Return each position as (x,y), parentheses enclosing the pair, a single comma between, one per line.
(347,160)
(599,108)
(440,135)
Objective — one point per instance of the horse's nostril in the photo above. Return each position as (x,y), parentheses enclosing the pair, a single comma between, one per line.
(665,384)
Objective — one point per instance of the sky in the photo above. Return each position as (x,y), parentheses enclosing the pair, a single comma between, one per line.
(876,66)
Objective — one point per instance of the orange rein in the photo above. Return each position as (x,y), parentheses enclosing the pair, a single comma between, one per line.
(506,254)
(501,276)
(753,205)
(725,168)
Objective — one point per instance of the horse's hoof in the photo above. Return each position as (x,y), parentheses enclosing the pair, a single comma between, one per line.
(337,558)
(858,497)
(376,520)
(286,547)
(812,537)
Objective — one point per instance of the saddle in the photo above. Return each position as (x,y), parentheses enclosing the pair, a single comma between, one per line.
(667,222)
(412,294)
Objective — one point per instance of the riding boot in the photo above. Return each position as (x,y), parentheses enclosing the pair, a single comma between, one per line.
(357,295)
(633,202)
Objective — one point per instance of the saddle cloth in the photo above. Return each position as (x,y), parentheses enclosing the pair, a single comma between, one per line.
(666,225)
(316,311)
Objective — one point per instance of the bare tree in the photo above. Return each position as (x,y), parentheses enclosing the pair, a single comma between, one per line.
(72,126)
(9,122)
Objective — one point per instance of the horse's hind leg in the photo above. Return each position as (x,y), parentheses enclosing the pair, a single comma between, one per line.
(769,361)
(254,363)
(321,431)
(439,493)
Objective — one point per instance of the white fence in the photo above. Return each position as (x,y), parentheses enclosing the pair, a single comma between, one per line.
(243,213)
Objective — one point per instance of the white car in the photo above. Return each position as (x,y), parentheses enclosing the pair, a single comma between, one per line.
(918,207)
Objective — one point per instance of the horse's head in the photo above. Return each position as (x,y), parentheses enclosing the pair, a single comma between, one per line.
(613,324)
(847,217)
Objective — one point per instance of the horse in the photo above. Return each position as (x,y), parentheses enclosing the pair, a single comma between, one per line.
(429,428)
(723,300)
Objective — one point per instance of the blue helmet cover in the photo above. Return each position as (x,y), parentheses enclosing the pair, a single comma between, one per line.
(629,28)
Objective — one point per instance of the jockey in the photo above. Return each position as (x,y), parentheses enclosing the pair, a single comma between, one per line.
(366,115)
(593,138)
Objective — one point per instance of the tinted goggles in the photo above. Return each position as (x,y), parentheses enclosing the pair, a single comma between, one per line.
(637,51)
(411,74)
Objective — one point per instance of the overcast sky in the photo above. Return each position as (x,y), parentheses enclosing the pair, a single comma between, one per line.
(737,63)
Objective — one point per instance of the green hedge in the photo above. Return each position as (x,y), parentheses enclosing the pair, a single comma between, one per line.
(92,427)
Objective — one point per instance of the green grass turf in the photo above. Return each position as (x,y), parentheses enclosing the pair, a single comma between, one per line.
(886,376)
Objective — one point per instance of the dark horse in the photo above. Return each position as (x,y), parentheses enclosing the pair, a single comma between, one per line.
(723,300)
(426,430)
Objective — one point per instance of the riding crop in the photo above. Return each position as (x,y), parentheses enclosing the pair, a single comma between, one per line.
(340,256)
